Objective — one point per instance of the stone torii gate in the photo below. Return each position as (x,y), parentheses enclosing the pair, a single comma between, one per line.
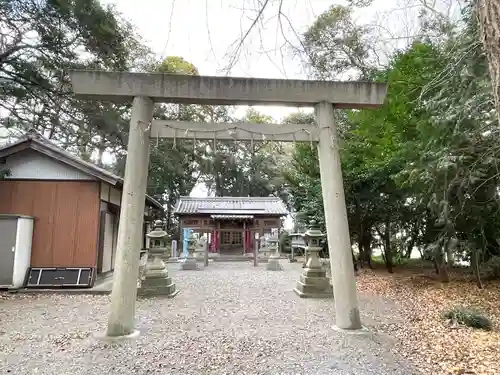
(144,89)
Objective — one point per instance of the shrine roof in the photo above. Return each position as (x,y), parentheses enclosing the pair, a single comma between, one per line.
(230,217)
(38,143)
(231,206)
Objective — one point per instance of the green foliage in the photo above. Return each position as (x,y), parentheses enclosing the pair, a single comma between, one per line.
(285,242)
(4,172)
(334,44)
(41,41)
(421,170)
(177,65)
(242,168)
(469,318)
(491,268)
(173,163)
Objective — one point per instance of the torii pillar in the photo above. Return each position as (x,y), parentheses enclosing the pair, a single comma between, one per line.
(143,89)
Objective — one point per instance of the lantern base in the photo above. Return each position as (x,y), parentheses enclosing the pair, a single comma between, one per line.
(167,290)
(273,264)
(199,254)
(313,283)
(157,282)
(189,264)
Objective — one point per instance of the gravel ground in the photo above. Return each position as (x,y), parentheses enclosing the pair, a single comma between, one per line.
(229,319)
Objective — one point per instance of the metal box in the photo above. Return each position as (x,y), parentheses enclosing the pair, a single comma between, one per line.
(16,236)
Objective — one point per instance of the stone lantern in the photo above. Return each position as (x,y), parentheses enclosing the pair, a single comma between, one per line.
(313,282)
(189,263)
(155,280)
(273,263)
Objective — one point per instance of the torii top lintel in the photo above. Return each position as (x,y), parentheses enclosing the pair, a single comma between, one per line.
(187,89)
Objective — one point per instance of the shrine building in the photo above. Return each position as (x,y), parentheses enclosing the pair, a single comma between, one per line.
(231,223)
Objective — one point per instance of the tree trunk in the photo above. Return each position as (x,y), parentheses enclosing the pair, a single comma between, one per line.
(388,251)
(218,185)
(475,267)
(489,22)
(365,251)
(450,257)
(441,264)
(419,248)
(168,224)
(436,266)
(409,248)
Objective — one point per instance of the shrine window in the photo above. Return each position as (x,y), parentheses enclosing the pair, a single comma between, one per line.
(231,238)
(226,238)
(237,238)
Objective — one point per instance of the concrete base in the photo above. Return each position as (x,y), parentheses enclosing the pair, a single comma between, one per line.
(360,331)
(158,287)
(264,253)
(199,255)
(273,264)
(158,292)
(308,293)
(189,264)
(116,339)
(156,281)
(313,283)
(172,260)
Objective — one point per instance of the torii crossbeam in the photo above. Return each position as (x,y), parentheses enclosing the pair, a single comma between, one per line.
(144,89)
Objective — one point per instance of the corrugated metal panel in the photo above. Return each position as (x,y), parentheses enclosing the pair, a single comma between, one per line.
(66,219)
(231,206)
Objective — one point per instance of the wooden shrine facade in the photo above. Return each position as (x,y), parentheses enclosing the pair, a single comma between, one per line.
(230,223)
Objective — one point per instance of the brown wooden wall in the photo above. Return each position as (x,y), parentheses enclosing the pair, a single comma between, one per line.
(66,219)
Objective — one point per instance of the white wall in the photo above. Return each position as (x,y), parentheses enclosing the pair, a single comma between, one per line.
(22,258)
(30,164)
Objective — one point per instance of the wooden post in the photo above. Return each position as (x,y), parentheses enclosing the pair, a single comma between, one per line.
(255,250)
(279,243)
(180,245)
(244,237)
(206,252)
(217,237)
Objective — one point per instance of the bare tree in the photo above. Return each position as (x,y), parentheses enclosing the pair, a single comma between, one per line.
(388,30)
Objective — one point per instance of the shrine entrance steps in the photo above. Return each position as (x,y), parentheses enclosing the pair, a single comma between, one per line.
(242,258)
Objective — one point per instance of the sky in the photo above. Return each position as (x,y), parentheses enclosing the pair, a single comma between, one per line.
(204,33)
(207,32)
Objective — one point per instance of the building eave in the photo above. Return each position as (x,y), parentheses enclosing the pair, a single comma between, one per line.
(56,153)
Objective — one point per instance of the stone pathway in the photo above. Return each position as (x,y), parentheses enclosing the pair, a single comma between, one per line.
(230,318)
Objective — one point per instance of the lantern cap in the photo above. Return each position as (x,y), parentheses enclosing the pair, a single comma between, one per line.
(273,240)
(313,231)
(191,239)
(158,231)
